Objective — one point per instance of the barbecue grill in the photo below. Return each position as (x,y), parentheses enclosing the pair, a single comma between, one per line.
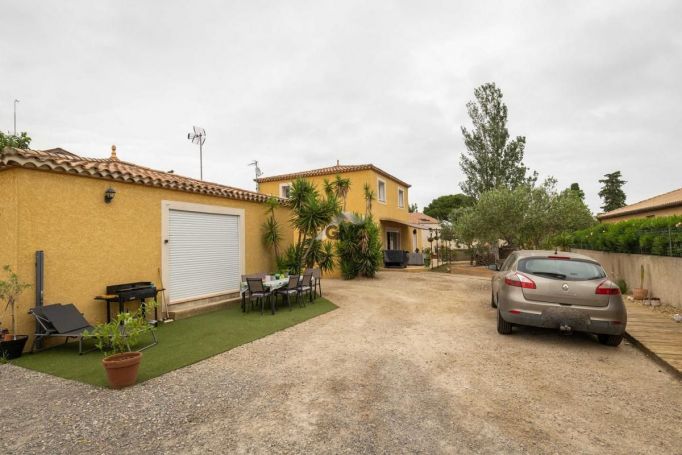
(128,292)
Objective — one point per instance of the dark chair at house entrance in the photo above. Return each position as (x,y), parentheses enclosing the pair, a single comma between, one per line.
(291,288)
(395,258)
(258,294)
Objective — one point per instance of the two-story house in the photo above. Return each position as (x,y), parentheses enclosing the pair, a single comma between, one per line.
(389,207)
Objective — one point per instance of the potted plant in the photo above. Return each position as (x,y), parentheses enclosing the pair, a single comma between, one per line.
(114,339)
(12,345)
(640,293)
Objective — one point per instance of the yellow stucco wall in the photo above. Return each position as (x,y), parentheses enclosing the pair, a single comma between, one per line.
(89,244)
(8,225)
(356,200)
(669,211)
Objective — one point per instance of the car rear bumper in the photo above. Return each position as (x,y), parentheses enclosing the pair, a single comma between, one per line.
(608,320)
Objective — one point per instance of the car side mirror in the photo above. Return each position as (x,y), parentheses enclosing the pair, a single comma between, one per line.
(494,267)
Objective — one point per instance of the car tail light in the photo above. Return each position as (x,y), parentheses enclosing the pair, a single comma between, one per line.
(519,280)
(607,288)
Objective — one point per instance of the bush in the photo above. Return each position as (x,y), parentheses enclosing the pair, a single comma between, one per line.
(359,247)
(660,236)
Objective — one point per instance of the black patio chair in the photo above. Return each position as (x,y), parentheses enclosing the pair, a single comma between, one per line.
(306,285)
(246,292)
(317,275)
(290,289)
(63,321)
(258,294)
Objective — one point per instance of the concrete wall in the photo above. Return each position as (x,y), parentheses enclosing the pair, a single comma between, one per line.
(89,244)
(661,274)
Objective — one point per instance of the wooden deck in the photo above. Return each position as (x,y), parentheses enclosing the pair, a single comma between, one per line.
(657,334)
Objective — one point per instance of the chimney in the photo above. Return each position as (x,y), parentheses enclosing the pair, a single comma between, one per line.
(113,156)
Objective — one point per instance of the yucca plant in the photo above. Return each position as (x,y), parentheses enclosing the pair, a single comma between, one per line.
(369,198)
(359,247)
(270,228)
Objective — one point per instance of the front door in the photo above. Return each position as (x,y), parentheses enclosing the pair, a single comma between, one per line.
(392,240)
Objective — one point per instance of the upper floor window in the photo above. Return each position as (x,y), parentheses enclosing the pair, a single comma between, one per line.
(381,191)
(284,190)
(401,198)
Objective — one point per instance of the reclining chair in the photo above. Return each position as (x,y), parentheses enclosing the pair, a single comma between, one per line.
(59,320)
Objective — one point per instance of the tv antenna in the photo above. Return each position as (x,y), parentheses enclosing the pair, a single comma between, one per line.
(199,137)
(258,170)
(15,116)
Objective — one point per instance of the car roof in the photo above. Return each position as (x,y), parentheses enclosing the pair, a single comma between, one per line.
(545,253)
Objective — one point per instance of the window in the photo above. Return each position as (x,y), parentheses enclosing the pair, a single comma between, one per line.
(401,198)
(562,269)
(284,190)
(381,191)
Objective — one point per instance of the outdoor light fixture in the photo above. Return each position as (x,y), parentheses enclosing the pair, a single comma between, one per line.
(109,195)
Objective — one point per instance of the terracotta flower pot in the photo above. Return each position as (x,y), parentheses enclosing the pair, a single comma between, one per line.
(640,293)
(122,369)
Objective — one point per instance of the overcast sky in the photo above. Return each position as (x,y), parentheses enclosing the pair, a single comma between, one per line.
(594,86)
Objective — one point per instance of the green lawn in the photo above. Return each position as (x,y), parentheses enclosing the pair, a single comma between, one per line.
(181,343)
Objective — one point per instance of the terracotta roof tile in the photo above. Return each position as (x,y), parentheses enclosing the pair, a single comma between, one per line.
(332,170)
(670,199)
(59,160)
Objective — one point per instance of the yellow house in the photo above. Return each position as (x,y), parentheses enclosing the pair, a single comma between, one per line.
(101,222)
(389,207)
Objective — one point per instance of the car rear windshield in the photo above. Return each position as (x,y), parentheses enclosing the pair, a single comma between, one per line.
(562,269)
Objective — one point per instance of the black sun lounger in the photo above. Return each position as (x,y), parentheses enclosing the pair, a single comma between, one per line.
(59,320)
(66,321)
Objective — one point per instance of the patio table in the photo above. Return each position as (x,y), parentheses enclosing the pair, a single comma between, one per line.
(271,285)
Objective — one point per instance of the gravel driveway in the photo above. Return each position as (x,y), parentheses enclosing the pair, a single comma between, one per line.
(410,362)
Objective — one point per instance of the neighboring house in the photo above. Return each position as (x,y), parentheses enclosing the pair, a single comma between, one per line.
(389,207)
(426,222)
(666,204)
(192,237)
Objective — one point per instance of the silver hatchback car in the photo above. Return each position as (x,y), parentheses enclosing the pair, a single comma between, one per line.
(566,291)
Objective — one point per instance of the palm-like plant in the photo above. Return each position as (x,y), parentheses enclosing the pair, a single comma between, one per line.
(311,213)
(342,187)
(369,198)
(270,228)
(359,247)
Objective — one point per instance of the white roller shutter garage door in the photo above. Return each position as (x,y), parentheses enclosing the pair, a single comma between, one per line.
(204,257)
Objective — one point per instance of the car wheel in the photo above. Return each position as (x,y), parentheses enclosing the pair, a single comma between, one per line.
(610,340)
(492,300)
(503,327)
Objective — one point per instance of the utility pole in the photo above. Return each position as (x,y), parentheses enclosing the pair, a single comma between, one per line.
(15,116)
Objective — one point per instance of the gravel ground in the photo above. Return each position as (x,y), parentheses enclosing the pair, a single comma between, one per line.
(410,362)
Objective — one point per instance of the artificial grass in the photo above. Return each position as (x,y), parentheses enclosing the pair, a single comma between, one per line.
(181,343)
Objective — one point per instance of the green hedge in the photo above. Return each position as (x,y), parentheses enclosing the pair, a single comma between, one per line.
(660,236)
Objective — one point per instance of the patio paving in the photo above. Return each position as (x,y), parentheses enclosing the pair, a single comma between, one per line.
(408,363)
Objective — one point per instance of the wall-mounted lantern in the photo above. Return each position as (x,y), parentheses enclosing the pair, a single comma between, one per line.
(109,195)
